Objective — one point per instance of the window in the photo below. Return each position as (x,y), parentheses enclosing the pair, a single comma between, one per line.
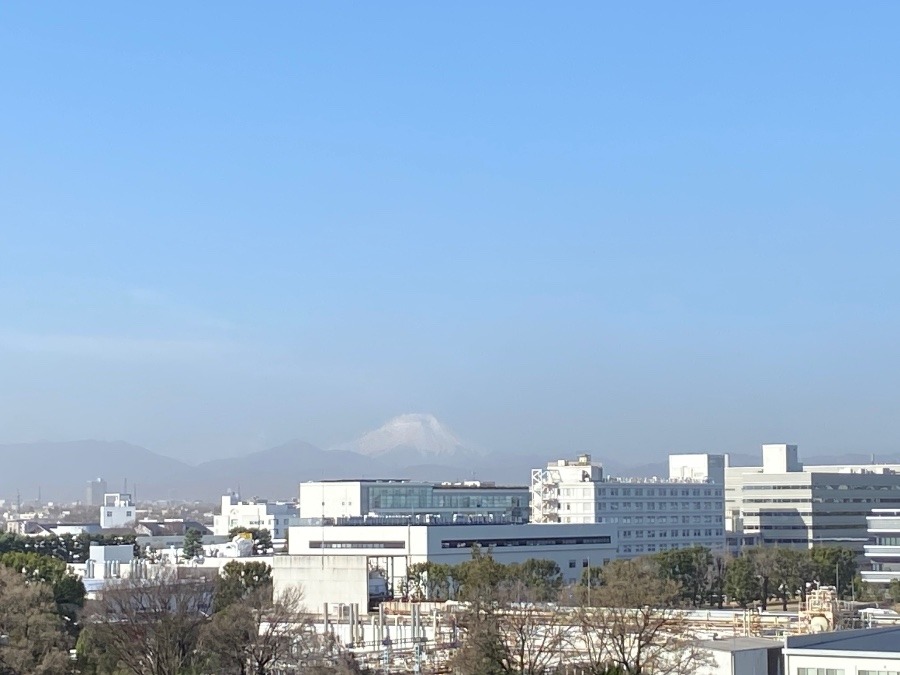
(585,562)
(571,564)
(128,514)
(109,514)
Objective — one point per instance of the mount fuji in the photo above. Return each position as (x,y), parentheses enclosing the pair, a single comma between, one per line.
(413,439)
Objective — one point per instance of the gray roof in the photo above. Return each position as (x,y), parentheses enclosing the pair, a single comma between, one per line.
(739,644)
(885,639)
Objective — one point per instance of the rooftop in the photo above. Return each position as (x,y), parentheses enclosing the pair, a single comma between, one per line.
(886,640)
(739,644)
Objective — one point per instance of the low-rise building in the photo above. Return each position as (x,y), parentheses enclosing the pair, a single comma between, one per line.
(332,562)
(276,517)
(868,651)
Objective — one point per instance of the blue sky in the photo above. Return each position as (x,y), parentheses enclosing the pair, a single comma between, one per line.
(617,228)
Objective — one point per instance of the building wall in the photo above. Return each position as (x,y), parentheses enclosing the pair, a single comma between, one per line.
(650,515)
(353,499)
(276,517)
(802,509)
(840,663)
(323,579)
(572,547)
(117,510)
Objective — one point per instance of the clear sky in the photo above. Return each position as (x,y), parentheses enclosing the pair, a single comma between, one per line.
(629,228)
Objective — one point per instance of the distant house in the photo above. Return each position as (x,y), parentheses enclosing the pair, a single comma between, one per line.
(169,533)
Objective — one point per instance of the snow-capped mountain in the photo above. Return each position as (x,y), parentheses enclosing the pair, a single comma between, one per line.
(411,438)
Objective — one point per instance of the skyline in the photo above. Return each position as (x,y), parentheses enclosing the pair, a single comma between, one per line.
(638,230)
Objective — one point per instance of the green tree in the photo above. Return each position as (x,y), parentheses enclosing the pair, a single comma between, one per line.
(239,579)
(894,590)
(34,637)
(68,590)
(193,544)
(690,569)
(428,581)
(741,583)
(542,578)
(834,566)
(480,577)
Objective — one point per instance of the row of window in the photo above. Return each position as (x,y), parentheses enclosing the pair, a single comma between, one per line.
(588,492)
(659,506)
(650,548)
(662,534)
(531,541)
(822,671)
(356,544)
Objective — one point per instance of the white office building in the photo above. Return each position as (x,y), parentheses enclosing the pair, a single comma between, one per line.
(883,549)
(649,514)
(787,504)
(357,498)
(118,510)
(332,562)
(276,517)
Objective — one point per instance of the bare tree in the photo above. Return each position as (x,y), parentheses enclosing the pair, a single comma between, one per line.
(32,637)
(633,624)
(259,635)
(151,626)
(512,633)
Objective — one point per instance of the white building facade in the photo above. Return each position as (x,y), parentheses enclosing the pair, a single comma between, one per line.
(276,517)
(883,548)
(786,504)
(357,498)
(118,510)
(649,515)
(869,651)
(331,561)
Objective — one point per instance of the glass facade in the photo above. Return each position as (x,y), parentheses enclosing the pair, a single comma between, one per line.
(413,499)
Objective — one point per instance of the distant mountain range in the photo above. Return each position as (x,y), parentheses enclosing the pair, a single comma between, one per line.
(413,446)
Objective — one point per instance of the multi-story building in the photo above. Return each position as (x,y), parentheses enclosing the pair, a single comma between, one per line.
(787,504)
(883,549)
(356,498)
(649,514)
(94,492)
(276,517)
(118,510)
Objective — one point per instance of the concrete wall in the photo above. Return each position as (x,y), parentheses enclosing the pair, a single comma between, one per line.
(323,579)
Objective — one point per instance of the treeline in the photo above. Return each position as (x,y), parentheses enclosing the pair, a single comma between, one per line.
(66,547)
(703,578)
